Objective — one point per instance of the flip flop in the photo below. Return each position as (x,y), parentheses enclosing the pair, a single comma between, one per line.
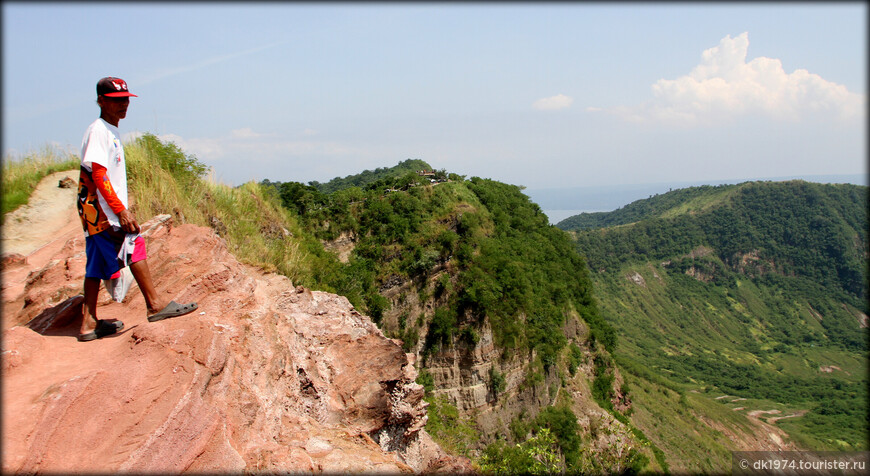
(87,337)
(103,329)
(173,309)
(106,328)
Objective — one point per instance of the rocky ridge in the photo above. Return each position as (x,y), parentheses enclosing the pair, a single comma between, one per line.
(265,376)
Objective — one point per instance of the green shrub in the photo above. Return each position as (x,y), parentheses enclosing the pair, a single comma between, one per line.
(497,382)
(562,422)
(537,455)
(575,358)
(409,339)
(519,428)
(185,168)
(448,428)
(441,328)
(443,285)
(377,305)
(469,335)
(425,379)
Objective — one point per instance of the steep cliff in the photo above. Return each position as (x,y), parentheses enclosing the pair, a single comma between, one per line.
(265,376)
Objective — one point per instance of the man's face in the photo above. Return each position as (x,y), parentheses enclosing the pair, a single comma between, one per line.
(114,109)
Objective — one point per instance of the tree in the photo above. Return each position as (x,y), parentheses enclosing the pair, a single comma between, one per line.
(537,455)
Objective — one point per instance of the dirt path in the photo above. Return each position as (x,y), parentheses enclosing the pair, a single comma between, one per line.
(34,233)
(799,413)
(758,413)
(50,210)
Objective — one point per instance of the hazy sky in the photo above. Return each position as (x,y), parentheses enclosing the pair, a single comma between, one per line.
(541,95)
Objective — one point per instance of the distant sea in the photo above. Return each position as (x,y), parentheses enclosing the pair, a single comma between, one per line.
(561,203)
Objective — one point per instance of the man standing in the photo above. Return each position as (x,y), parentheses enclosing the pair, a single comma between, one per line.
(112,238)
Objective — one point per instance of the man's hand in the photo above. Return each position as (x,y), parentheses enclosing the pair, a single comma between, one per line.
(128,223)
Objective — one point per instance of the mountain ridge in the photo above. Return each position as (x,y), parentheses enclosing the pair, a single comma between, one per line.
(604,198)
(754,290)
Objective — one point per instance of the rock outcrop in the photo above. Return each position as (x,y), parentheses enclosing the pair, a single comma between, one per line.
(264,377)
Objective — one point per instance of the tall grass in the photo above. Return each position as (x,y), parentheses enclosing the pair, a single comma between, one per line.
(22,175)
(163,179)
(257,229)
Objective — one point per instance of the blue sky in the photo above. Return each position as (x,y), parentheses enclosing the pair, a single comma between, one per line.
(541,95)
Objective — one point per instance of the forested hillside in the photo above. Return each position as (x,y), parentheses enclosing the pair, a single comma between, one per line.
(458,269)
(756,291)
(508,261)
(806,230)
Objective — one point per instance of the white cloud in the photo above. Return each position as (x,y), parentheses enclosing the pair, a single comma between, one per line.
(724,86)
(245,133)
(559,101)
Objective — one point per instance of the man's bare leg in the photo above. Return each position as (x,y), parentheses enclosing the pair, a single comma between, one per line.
(89,313)
(143,278)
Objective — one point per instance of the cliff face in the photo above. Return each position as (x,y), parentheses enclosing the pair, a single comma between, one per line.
(461,372)
(264,376)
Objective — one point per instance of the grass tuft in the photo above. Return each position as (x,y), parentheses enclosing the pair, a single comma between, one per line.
(257,229)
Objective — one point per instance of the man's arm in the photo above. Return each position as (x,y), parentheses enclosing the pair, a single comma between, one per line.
(101,180)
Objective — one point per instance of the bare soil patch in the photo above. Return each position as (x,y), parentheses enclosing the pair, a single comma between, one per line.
(49,210)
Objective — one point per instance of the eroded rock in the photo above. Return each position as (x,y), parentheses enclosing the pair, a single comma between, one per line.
(265,376)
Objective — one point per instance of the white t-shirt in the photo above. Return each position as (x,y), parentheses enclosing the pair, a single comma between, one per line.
(102,145)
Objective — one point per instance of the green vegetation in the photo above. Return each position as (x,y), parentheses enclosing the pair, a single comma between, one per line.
(506,263)
(680,441)
(753,290)
(602,385)
(537,455)
(257,229)
(681,201)
(479,253)
(22,175)
(553,446)
(562,422)
(164,179)
(553,438)
(454,432)
(575,357)
(747,289)
(524,267)
(497,381)
(794,228)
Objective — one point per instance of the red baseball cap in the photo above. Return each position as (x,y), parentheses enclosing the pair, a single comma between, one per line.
(113,88)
